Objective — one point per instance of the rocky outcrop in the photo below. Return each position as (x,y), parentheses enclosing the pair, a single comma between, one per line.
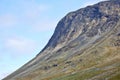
(88,21)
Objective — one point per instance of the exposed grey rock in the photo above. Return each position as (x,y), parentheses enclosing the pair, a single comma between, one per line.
(87,21)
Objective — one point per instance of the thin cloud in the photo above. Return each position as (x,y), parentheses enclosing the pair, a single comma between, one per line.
(19,45)
(22,12)
(34,11)
(32,15)
(31,10)
(7,20)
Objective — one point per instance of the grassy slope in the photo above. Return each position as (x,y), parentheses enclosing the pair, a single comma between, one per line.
(97,63)
(108,66)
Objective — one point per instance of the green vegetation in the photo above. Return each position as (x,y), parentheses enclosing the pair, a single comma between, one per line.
(116,77)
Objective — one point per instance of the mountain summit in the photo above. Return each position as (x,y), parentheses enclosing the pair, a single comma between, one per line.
(84,46)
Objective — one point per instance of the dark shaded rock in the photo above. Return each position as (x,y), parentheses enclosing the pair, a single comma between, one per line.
(68,62)
(117,43)
(54,65)
(80,60)
(118,34)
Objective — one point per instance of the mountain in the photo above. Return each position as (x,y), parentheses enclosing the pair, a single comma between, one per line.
(85,46)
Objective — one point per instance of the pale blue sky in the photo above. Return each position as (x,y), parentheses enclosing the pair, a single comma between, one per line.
(27,25)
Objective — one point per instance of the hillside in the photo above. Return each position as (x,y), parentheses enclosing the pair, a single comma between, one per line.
(85,46)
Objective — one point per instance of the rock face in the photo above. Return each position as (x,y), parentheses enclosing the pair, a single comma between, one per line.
(89,21)
(84,46)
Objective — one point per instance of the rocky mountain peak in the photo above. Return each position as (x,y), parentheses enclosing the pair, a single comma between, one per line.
(88,21)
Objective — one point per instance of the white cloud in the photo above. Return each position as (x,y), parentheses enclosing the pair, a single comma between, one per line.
(20,45)
(23,12)
(34,11)
(7,20)
(31,9)
(32,15)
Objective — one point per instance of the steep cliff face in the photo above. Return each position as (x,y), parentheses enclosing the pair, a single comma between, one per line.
(84,46)
(88,21)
